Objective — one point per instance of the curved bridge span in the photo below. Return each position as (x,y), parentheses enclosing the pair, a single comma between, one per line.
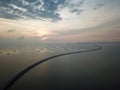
(21,73)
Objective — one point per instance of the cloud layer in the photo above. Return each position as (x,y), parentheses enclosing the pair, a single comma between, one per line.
(37,9)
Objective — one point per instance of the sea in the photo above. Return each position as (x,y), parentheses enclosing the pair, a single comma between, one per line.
(92,70)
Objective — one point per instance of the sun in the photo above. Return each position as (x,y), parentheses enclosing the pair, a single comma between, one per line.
(46,34)
(43,33)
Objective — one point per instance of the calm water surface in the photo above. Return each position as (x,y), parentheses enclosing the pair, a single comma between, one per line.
(98,70)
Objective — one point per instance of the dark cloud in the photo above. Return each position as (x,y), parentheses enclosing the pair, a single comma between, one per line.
(37,9)
(21,38)
(10,31)
(98,6)
(74,5)
(77,11)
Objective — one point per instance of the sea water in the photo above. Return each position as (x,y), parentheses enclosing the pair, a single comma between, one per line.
(96,70)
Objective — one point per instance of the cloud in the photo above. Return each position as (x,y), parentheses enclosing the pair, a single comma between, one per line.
(75,6)
(38,37)
(21,38)
(97,6)
(10,31)
(36,33)
(37,9)
(77,11)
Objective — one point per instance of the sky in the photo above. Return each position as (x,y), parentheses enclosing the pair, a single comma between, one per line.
(60,21)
